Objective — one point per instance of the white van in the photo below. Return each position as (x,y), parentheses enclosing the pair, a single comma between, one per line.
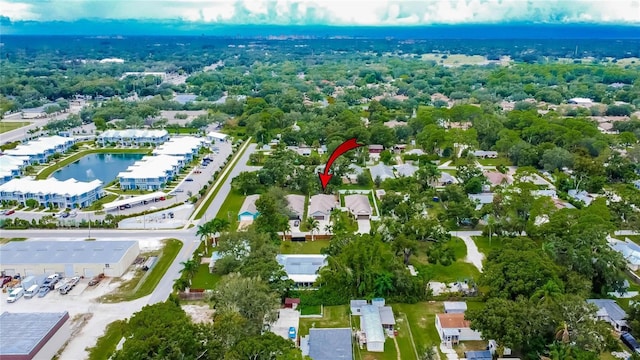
(15,294)
(32,291)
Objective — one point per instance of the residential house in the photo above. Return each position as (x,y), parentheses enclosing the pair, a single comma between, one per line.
(248,210)
(485,154)
(629,250)
(375,149)
(417,152)
(455,307)
(359,206)
(302,269)
(382,172)
(151,172)
(497,178)
(581,195)
(321,205)
(356,306)
(328,344)
(481,199)
(399,148)
(478,355)
(52,192)
(184,146)
(39,150)
(406,170)
(296,206)
(453,328)
(11,167)
(353,171)
(371,330)
(445,179)
(611,312)
(133,137)
(580,101)
(387,319)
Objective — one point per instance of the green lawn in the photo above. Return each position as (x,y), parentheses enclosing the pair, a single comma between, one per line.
(203,279)
(46,172)
(132,290)
(97,205)
(485,247)
(231,207)
(303,247)
(495,162)
(459,270)
(422,321)
(106,344)
(310,309)
(8,126)
(334,317)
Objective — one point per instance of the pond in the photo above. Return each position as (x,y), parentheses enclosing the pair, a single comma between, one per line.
(104,167)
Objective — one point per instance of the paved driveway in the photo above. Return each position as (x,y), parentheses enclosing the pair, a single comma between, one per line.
(364,226)
(288,318)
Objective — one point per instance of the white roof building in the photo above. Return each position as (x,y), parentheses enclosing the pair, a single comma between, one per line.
(302,269)
(134,134)
(12,166)
(580,101)
(381,171)
(180,146)
(70,187)
(152,167)
(40,146)
(217,136)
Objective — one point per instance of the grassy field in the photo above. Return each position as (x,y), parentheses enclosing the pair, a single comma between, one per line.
(132,289)
(455,59)
(46,172)
(422,321)
(482,242)
(457,271)
(8,126)
(231,207)
(203,279)
(97,205)
(334,317)
(6,240)
(107,343)
(300,247)
(310,309)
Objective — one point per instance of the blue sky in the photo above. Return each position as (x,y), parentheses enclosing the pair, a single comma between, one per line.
(329,12)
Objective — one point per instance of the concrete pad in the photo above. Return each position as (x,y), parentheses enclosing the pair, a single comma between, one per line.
(364,226)
(288,318)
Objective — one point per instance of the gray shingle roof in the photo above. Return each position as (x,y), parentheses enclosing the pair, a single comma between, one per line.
(249,204)
(330,344)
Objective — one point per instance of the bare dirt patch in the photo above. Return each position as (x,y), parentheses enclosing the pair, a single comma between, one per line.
(199,313)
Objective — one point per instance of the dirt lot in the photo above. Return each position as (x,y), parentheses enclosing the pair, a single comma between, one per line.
(199,313)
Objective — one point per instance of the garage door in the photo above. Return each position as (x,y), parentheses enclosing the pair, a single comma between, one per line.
(49,272)
(363,217)
(88,273)
(319,217)
(68,270)
(246,218)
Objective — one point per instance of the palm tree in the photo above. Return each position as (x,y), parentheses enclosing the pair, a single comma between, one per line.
(548,293)
(313,225)
(204,232)
(563,334)
(491,223)
(286,227)
(180,284)
(218,225)
(190,268)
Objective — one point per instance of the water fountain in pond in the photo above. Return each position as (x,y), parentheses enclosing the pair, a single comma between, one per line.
(90,174)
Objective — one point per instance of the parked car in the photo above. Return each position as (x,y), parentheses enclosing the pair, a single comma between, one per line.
(292,333)
(631,342)
(64,289)
(64,215)
(188,179)
(6,280)
(96,280)
(10,212)
(51,280)
(296,223)
(44,290)
(15,294)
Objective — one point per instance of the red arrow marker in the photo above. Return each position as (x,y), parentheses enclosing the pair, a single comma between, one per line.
(343,148)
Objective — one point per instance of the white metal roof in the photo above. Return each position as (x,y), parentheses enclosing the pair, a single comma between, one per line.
(131,200)
(151,167)
(179,146)
(217,135)
(64,252)
(39,145)
(69,187)
(10,163)
(23,332)
(371,323)
(134,133)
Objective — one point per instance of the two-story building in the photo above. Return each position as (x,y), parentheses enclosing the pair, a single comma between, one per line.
(133,137)
(11,167)
(70,193)
(39,150)
(151,172)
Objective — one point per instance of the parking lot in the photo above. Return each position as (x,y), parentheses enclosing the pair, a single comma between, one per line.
(89,316)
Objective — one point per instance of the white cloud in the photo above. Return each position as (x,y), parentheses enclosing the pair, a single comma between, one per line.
(333,12)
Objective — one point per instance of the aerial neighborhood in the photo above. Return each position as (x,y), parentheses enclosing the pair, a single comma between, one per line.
(197,197)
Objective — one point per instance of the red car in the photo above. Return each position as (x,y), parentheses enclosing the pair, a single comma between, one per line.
(9,212)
